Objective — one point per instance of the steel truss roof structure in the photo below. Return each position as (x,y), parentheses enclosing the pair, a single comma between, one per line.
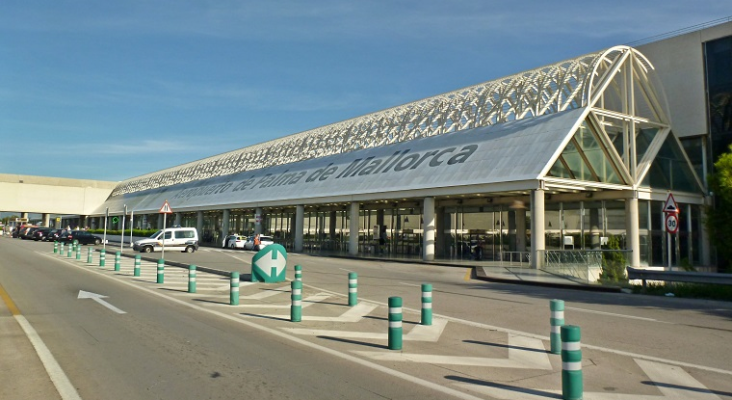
(614,87)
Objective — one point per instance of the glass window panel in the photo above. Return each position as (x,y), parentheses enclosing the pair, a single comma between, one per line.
(670,170)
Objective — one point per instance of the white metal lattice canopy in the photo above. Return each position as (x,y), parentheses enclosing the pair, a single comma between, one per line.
(570,84)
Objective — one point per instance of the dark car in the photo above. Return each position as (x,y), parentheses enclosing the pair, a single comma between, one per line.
(27,232)
(41,234)
(83,237)
(55,234)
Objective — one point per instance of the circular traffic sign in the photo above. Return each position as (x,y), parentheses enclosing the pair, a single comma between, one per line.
(672,223)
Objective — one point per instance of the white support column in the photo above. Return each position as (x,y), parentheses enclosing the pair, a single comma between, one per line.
(46,220)
(353,229)
(258,225)
(299,227)
(224,226)
(177,219)
(632,229)
(199,224)
(537,229)
(160,221)
(428,239)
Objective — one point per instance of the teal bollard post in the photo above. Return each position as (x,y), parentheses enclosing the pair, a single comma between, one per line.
(89,256)
(426,304)
(161,270)
(136,271)
(234,292)
(395,323)
(191,279)
(572,385)
(102,257)
(352,288)
(78,252)
(70,251)
(117,259)
(296,296)
(557,321)
(298,272)
(55,247)
(61,249)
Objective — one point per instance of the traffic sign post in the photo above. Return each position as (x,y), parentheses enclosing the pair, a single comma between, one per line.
(671,222)
(269,264)
(165,210)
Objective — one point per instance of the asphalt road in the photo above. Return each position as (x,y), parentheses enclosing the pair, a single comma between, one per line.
(489,341)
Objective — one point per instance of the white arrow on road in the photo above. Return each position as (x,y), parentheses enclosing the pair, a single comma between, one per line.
(98,298)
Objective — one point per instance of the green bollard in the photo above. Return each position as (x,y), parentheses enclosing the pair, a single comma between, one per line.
(61,249)
(137,265)
(572,386)
(78,252)
(395,323)
(557,321)
(55,247)
(426,304)
(352,288)
(298,272)
(296,296)
(161,270)
(102,257)
(117,259)
(191,279)
(69,251)
(89,256)
(234,289)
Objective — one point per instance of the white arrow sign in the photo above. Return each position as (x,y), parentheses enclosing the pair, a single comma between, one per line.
(267,263)
(98,298)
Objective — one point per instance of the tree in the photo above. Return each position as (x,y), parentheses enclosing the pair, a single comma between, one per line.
(719,213)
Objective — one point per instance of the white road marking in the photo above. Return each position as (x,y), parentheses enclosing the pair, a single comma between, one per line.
(267,293)
(417,333)
(98,298)
(354,314)
(613,314)
(518,357)
(65,388)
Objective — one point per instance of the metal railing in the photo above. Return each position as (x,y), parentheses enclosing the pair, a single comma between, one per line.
(587,265)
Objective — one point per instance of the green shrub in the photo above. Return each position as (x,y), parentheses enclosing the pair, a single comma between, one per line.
(613,262)
(688,290)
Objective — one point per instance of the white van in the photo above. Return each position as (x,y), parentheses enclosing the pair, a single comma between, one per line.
(183,239)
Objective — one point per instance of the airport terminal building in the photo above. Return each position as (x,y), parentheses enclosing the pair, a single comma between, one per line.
(571,159)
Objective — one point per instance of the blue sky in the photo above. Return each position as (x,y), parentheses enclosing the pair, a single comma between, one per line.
(110,90)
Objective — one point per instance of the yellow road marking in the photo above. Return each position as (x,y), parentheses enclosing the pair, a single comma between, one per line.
(467,274)
(9,302)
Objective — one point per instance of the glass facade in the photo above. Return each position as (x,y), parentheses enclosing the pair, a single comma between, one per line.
(718,59)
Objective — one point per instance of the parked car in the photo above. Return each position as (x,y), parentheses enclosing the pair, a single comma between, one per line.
(27,232)
(227,240)
(55,234)
(237,241)
(183,239)
(83,237)
(41,234)
(264,241)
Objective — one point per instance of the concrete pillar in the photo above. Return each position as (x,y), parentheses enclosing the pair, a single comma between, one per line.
(537,229)
(632,230)
(512,230)
(520,229)
(24,215)
(353,222)
(440,243)
(705,256)
(199,224)
(46,220)
(258,212)
(224,226)
(176,219)
(160,221)
(299,227)
(595,228)
(428,215)
(332,226)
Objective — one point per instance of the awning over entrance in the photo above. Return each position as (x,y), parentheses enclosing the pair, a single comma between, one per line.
(516,151)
